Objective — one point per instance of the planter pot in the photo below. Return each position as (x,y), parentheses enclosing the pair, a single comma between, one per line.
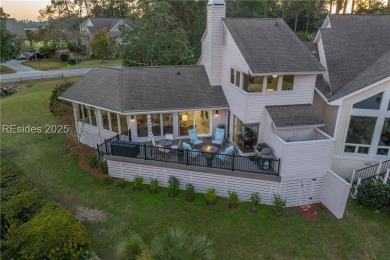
(209,162)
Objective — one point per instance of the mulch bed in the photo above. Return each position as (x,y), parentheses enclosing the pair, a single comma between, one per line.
(83,151)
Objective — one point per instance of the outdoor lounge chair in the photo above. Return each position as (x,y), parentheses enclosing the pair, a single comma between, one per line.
(191,152)
(226,155)
(219,136)
(161,149)
(194,137)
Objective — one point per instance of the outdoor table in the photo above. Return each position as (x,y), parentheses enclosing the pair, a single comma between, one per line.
(209,153)
(212,150)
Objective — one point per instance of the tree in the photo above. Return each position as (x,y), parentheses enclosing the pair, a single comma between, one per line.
(102,44)
(8,46)
(158,38)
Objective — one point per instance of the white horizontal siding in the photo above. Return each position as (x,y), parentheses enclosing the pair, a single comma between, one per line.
(302,191)
(88,134)
(335,193)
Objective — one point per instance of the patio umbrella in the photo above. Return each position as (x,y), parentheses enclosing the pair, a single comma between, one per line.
(150,130)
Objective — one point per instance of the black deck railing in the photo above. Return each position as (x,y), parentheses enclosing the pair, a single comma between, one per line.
(118,146)
(372,171)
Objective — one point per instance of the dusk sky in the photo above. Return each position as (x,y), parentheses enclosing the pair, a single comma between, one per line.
(23,9)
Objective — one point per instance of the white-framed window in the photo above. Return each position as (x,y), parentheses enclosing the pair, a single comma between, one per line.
(201,120)
(368,129)
(86,114)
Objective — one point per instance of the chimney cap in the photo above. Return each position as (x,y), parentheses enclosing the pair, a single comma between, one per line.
(216,2)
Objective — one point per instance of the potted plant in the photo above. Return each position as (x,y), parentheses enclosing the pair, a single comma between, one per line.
(233,200)
(190,192)
(255,201)
(180,155)
(209,160)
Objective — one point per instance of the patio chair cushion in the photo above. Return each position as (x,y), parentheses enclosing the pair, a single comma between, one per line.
(187,146)
(219,136)
(194,137)
(169,136)
(229,150)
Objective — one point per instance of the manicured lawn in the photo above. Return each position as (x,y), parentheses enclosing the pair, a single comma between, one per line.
(54,64)
(362,234)
(6,70)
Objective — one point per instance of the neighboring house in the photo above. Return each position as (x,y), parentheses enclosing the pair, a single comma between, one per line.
(114,27)
(353,95)
(17,29)
(257,78)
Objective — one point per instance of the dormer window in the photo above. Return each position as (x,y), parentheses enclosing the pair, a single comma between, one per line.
(122,27)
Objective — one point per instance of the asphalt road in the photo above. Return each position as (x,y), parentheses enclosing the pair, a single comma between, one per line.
(25,73)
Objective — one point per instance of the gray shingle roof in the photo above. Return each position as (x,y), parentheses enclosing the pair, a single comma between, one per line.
(16,28)
(357,51)
(109,23)
(147,89)
(268,48)
(294,115)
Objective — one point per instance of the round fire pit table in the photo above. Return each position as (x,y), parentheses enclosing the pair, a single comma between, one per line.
(209,149)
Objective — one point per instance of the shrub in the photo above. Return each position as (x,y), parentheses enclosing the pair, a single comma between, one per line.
(59,107)
(93,160)
(102,165)
(153,185)
(106,180)
(279,205)
(131,249)
(53,233)
(254,202)
(23,206)
(190,192)
(374,194)
(173,186)
(72,61)
(233,200)
(64,57)
(211,196)
(120,183)
(137,183)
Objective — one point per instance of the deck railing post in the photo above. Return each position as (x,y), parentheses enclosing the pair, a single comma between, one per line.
(129,135)
(187,157)
(386,176)
(353,176)
(357,186)
(233,163)
(117,137)
(105,144)
(378,170)
(279,167)
(98,150)
(145,153)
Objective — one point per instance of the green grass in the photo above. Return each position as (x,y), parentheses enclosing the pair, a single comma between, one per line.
(6,70)
(55,64)
(361,234)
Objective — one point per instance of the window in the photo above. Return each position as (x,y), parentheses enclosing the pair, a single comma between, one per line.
(373,102)
(384,139)
(86,114)
(235,77)
(288,82)
(167,123)
(245,135)
(123,121)
(272,83)
(194,119)
(93,117)
(253,83)
(105,120)
(360,132)
(156,126)
(114,122)
(142,125)
(232,73)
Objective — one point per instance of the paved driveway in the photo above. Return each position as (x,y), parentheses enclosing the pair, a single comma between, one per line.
(18,66)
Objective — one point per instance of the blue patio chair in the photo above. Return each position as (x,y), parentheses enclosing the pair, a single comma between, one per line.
(194,137)
(191,152)
(226,155)
(219,136)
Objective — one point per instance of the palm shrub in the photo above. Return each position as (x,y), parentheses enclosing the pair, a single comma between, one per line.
(134,248)
(106,180)
(93,160)
(120,184)
(254,202)
(153,185)
(137,183)
(211,196)
(233,200)
(190,192)
(178,244)
(173,186)
(279,205)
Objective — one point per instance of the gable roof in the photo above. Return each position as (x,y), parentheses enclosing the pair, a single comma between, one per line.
(109,23)
(357,52)
(16,28)
(271,48)
(294,115)
(140,89)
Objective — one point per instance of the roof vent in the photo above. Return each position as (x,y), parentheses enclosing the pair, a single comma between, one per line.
(178,73)
(276,24)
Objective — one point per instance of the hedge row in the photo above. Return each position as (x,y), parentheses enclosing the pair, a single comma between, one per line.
(35,228)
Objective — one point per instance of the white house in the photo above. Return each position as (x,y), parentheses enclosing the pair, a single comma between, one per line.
(114,27)
(353,94)
(254,76)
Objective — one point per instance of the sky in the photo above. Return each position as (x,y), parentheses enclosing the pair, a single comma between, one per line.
(23,9)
